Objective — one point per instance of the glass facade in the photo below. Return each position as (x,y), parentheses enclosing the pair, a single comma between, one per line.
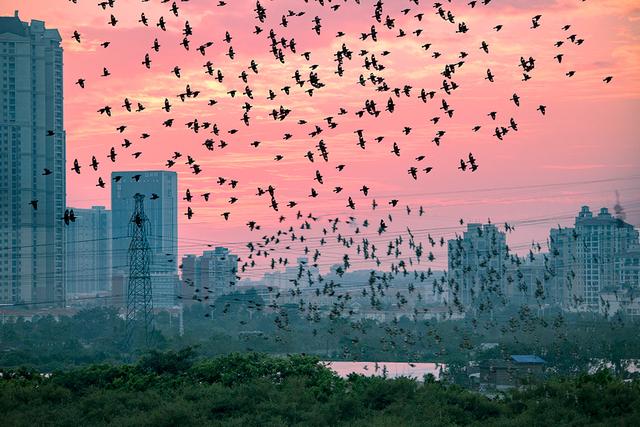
(163,228)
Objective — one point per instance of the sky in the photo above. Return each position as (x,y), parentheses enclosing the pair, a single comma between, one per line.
(581,151)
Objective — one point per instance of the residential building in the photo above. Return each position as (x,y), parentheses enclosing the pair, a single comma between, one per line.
(624,297)
(601,241)
(623,301)
(516,371)
(567,271)
(210,275)
(88,253)
(217,271)
(477,264)
(589,258)
(530,283)
(628,268)
(32,163)
(188,280)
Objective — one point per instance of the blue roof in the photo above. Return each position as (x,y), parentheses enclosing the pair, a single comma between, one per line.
(527,358)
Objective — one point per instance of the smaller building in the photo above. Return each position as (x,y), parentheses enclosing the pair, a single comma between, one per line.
(118,290)
(208,276)
(165,286)
(629,268)
(517,371)
(217,270)
(88,253)
(623,301)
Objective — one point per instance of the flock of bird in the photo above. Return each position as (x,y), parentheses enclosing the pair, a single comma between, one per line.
(357,241)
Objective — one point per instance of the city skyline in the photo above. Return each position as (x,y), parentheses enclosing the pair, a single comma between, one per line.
(560,152)
(320,212)
(170,207)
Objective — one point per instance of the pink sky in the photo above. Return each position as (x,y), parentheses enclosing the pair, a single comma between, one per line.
(587,143)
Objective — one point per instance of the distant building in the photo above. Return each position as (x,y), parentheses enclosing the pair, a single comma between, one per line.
(118,291)
(189,268)
(624,297)
(516,371)
(32,139)
(628,268)
(477,264)
(295,276)
(567,271)
(601,241)
(162,212)
(217,270)
(530,283)
(212,274)
(589,257)
(88,253)
(624,301)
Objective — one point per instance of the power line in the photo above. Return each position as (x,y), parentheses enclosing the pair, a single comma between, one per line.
(381,209)
(334,245)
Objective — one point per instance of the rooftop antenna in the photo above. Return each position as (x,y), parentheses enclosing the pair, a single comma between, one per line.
(618,209)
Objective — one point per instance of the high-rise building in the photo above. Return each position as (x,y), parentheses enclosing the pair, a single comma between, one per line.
(32,163)
(567,271)
(624,299)
(477,263)
(589,257)
(602,240)
(161,207)
(88,253)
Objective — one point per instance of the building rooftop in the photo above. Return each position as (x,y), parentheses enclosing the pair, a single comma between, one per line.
(142,172)
(527,358)
(586,217)
(12,25)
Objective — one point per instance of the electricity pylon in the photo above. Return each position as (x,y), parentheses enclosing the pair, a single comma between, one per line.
(139,293)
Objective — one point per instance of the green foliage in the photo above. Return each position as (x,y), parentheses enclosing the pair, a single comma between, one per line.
(255,389)
(91,336)
(577,344)
(170,362)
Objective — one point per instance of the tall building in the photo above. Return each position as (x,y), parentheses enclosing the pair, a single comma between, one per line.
(88,253)
(477,263)
(590,257)
(624,299)
(567,271)
(161,207)
(602,240)
(32,139)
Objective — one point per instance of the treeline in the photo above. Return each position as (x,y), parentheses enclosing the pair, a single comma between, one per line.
(571,345)
(174,388)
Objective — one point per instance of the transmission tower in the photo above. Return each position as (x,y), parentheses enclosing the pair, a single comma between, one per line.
(139,295)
